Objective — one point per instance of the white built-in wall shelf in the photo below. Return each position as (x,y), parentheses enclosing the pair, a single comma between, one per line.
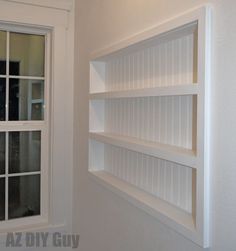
(190,89)
(149,112)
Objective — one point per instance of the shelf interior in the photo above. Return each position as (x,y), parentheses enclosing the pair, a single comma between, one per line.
(143,117)
(169,62)
(143,124)
(148,136)
(169,181)
(164,120)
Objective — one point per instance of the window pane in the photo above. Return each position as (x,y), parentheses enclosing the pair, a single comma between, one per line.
(28,50)
(24,196)
(24,151)
(15,68)
(2,99)
(3,43)
(37,111)
(26,99)
(2,153)
(2,199)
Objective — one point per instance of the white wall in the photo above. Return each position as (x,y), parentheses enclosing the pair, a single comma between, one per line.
(106,222)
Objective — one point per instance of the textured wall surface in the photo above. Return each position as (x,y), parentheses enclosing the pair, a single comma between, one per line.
(105,221)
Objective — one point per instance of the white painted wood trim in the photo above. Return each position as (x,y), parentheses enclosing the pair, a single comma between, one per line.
(23,174)
(46,21)
(203,125)
(65,5)
(190,89)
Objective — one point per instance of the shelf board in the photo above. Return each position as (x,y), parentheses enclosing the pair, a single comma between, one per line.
(168,214)
(162,151)
(188,89)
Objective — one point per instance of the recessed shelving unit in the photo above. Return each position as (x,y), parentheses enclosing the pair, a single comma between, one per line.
(148,135)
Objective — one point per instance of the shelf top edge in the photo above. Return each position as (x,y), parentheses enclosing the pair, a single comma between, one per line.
(135,141)
(187,89)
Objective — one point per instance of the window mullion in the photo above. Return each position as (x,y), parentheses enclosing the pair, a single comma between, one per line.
(8,127)
(7,75)
(7,117)
(6,172)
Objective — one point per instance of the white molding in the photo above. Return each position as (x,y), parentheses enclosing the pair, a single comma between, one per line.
(65,5)
(190,89)
(28,15)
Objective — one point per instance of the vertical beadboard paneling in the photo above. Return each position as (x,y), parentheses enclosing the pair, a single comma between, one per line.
(165,64)
(160,119)
(166,180)
(169,120)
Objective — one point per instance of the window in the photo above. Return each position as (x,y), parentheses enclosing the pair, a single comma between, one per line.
(23,123)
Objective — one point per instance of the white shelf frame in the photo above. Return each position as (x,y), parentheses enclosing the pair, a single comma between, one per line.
(196,226)
(188,89)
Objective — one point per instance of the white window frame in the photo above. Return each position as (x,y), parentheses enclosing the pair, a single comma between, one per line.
(56,20)
(19,126)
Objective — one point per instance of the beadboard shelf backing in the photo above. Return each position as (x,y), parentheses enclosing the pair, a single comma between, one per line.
(167,180)
(171,63)
(166,120)
(149,111)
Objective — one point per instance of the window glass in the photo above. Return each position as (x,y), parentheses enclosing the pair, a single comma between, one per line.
(2,199)
(28,50)
(3,45)
(24,196)
(2,99)
(2,152)
(24,151)
(26,99)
